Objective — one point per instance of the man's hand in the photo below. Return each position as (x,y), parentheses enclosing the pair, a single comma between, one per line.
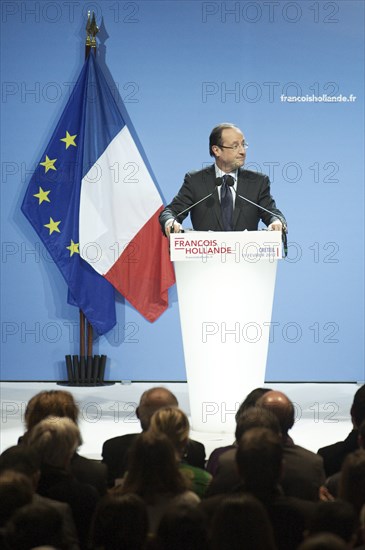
(177,228)
(276,225)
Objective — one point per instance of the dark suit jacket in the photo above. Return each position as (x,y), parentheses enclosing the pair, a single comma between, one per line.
(115,455)
(334,455)
(303,473)
(93,472)
(59,484)
(207,215)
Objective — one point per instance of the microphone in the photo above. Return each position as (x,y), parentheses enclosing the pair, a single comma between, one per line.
(284,232)
(218,183)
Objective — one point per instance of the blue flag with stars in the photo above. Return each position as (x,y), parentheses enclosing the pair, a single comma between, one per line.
(52,203)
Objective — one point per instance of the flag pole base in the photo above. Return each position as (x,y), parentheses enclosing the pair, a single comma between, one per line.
(85,371)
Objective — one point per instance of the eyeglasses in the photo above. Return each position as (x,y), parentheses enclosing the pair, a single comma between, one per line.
(235,146)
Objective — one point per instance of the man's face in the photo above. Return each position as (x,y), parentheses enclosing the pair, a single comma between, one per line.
(231,154)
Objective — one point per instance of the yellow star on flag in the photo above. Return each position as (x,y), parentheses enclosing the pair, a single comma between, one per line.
(69,140)
(42,195)
(73,248)
(48,164)
(52,226)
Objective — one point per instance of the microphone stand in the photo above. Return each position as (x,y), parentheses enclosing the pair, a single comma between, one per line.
(284,232)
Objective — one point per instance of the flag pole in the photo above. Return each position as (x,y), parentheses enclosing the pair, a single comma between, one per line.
(86,369)
(86,329)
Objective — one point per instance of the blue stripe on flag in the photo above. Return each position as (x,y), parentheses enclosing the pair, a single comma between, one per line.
(52,199)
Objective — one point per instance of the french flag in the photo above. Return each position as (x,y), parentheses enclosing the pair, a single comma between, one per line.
(119,232)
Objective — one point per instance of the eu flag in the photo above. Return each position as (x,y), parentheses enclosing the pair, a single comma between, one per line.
(52,204)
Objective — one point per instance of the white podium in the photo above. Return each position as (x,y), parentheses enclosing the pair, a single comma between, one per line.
(225,284)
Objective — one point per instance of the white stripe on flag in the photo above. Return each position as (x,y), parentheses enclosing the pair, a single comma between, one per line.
(118,196)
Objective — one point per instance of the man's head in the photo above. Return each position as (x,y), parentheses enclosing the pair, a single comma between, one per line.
(22,459)
(259,460)
(251,400)
(151,401)
(279,404)
(256,417)
(358,407)
(227,146)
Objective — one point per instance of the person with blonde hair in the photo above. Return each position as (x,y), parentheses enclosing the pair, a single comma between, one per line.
(173,422)
(61,403)
(115,451)
(54,440)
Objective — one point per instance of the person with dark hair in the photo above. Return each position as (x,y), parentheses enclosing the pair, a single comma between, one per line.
(120,521)
(352,480)
(224,210)
(259,461)
(227,476)
(61,403)
(303,473)
(334,455)
(337,517)
(15,491)
(182,528)
(153,474)
(249,401)
(24,460)
(36,525)
(241,523)
(115,450)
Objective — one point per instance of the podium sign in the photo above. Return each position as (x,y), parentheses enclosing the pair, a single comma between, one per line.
(225,284)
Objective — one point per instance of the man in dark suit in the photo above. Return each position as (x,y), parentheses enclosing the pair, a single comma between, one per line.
(303,470)
(334,455)
(115,451)
(259,463)
(223,209)
(303,473)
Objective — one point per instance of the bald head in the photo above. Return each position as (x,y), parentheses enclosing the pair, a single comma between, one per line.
(279,404)
(151,401)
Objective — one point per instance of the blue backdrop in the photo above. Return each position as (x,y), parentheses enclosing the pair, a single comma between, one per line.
(181,67)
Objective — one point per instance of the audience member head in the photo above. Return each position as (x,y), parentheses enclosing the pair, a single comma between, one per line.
(153,468)
(182,528)
(278,403)
(15,491)
(174,423)
(251,400)
(120,521)
(323,541)
(259,460)
(352,481)
(358,407)
(22,459)
(152,400)
(34,526)
(337,517)
(256,417)
(50,403)
(55,440)
(241,522)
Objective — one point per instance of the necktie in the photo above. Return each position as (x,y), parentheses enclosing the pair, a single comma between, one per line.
(226,204)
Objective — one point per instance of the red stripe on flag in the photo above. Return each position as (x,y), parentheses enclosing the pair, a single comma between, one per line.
(143,272)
